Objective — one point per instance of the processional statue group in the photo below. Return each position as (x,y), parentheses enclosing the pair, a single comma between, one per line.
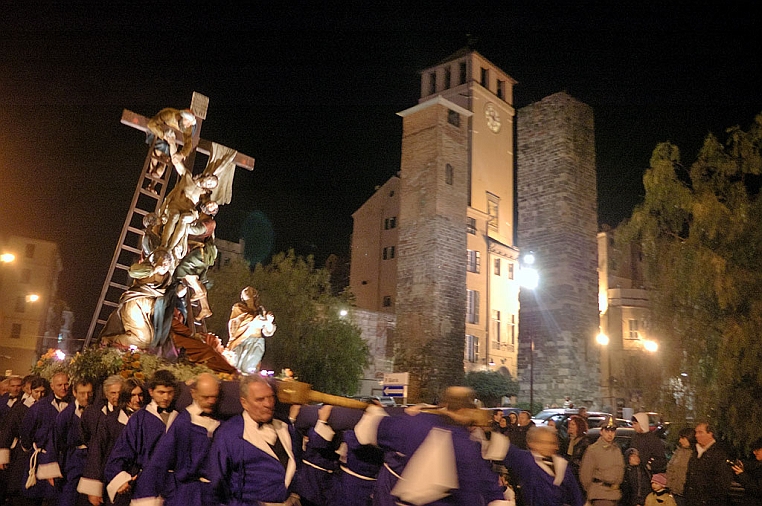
(158,313)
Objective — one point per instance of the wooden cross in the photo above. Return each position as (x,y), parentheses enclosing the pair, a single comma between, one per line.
(203,146)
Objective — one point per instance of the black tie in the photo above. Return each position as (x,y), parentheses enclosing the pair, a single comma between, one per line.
(280,452)
(81,408)
(204,413)
(160,410)
(58,401)
(549,462)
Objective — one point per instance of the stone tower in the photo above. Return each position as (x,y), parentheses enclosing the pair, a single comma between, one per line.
(557,221)
(431,263)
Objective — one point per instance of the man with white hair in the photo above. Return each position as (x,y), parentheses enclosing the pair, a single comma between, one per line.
(254,457)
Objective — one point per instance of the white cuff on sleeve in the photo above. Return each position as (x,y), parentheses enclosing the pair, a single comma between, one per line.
(5,455)
(366,429)
(115,484)
(47,471)
(89,486)
(324,430)
(147,501)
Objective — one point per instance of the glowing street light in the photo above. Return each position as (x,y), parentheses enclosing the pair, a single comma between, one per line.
(7,258)
(60,355)
(529,278)
(32,297)
(602,339)
(343,312)
(650,346)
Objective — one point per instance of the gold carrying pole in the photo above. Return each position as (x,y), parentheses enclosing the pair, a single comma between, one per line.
(297,392)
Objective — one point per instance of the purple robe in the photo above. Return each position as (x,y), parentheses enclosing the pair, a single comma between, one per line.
(72,452)
(315,478)
(244,470)
(538,487)
(36,436)
(101,443)
(133,449)
(183,450)
(400,436)
(354,483)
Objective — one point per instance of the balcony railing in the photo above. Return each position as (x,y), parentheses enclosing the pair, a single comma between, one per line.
(498,346)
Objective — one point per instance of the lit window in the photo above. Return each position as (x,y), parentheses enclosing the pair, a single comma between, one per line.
(633,330)
(493,208)
(471,226)
(496,323)
(473,261)
(472,306)
(513,329)
(472,348)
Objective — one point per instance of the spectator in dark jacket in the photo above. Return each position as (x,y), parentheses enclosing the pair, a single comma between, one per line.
(709,475)
(650,447)
(637,480)
(749,474)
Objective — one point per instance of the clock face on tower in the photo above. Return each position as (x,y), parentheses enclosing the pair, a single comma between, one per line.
(493,118)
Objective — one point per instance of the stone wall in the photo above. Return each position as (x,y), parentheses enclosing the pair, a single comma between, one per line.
(557,220)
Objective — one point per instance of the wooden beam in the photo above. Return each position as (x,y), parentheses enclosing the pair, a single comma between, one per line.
(140,122)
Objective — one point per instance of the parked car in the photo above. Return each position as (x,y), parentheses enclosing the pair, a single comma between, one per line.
(560,418)
(385,400)
(622,438)
(657,424)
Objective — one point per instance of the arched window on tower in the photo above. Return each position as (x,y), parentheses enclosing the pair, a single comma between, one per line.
(449,174)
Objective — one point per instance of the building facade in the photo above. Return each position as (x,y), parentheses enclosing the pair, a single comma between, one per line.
(624,315)
(447,268)
(28,287)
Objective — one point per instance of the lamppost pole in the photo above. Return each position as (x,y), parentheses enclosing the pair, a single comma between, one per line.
(530,279)
(531,372)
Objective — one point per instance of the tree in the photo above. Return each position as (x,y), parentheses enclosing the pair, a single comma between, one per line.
(320,345)
(701,234)
(491,386)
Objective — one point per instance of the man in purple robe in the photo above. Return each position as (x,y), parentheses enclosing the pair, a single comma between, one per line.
(133,450)
(182,453)
(254,457)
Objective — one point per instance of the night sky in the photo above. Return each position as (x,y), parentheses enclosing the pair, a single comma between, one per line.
(312,92)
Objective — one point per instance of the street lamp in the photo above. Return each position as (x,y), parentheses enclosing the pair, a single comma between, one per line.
(650,346)
(7,258)
(529,278)
(603,340)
